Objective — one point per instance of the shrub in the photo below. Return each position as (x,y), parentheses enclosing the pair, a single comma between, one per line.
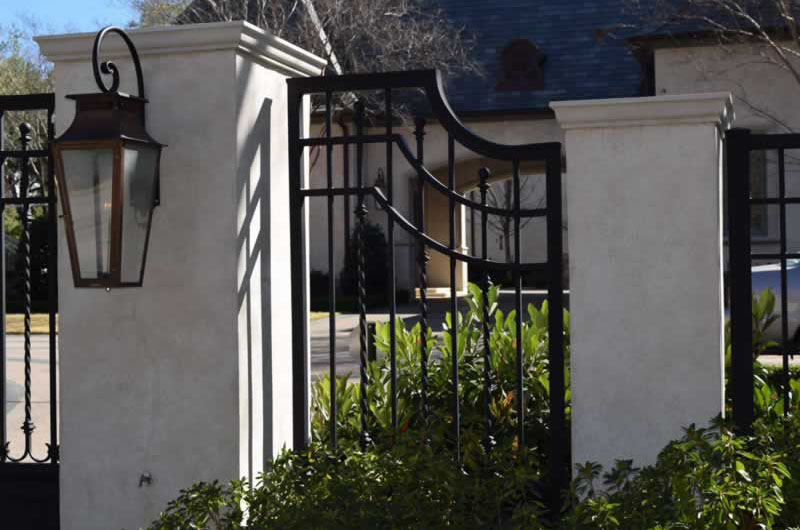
(439,424)
(710,478)
(413,486)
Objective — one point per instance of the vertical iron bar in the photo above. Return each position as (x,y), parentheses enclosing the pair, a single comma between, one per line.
(555,325)
(422,263)
(27,426)
(331,274)
(52,292)
(518,307)
(487,354)
(451,185)
(2,298)
(361,215)
(346,184)
(784,293)
(392,282)
(472,223)
(741,290)
(300,404)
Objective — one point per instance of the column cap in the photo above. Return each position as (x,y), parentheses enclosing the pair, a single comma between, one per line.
(714,108)
(243,37)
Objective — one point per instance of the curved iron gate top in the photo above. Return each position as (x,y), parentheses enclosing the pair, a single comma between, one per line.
(431,83)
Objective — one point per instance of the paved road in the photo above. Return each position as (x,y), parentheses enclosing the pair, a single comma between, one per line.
(346,346)
(15,392)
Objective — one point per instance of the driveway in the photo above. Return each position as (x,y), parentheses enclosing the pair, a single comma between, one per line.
(15,393)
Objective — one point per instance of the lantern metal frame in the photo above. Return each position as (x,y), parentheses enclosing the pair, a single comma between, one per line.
(109,120)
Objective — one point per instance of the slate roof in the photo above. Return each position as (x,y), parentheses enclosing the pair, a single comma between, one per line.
(577,65)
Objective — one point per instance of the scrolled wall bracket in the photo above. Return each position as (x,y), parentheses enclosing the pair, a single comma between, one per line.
(109,67)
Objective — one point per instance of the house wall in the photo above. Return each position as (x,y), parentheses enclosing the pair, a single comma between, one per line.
(765,98)
(502,130)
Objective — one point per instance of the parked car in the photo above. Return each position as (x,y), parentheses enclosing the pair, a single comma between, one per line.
(769,276)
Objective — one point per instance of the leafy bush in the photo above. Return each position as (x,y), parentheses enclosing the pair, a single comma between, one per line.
(412,486)
(710,478)
(469,349)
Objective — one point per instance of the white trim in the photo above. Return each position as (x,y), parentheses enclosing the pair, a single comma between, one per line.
(243,37)
(715,108)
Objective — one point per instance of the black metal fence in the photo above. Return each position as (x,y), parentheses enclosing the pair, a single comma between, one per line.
(28,467)
(327,91)
(744,200)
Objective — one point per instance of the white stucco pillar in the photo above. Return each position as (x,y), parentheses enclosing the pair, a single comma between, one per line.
(189,377)
(645,245)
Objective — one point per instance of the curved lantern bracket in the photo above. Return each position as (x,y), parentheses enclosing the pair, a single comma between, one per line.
(109,67)
(108,171)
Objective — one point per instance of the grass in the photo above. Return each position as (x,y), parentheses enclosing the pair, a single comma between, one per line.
(318,315)
(40,323)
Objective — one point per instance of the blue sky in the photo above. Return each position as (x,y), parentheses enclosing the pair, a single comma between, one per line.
(59,16)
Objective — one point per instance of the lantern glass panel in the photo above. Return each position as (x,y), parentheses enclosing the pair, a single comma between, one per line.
(139,170)
(89,181)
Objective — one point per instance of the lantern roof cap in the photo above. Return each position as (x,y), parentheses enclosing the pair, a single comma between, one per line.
(107,116)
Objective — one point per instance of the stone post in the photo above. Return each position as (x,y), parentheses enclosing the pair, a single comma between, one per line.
(644,216)
(187,378)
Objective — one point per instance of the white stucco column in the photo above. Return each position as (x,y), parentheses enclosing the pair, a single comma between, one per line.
(645,246)
(189,377)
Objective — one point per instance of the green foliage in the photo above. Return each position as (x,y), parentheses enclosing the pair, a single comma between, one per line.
(157,12)
(411,486)
(710,478)
(469,348)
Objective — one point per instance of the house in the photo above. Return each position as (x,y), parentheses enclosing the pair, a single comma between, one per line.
(534,53)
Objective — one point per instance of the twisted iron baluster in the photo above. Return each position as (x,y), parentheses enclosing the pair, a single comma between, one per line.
(361,214)
(27,426)
(487,281)
(422,262)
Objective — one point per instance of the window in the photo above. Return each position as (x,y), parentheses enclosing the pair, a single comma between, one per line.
(521,67)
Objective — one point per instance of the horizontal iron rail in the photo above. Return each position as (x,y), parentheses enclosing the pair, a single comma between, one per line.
(773,141)
(325,192)
(775,255)
(776,200)
(28,102)
(432,83)
(426,175)
(409,227)
(19,201)
(348,140)
(34,153)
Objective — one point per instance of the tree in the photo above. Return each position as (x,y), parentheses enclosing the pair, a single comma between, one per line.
(23,71)
(157,12)
(356,36)
(501,195)
(767,31)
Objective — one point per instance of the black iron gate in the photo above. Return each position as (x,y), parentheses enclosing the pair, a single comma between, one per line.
(28,303)
(747,197)
(326,92)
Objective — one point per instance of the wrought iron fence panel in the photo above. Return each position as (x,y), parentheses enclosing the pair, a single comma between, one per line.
(740,145)
(29,496)
(549,154)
